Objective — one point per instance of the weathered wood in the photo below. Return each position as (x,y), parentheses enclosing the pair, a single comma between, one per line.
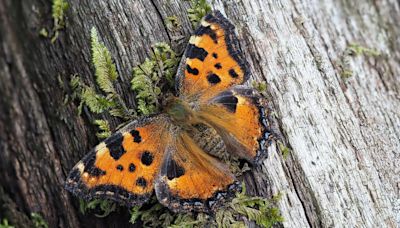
(344,166)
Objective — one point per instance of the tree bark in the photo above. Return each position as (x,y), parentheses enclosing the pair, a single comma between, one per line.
(344,165)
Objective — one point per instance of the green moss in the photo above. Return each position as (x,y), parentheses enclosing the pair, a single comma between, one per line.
(357,49)
(261,87)
(260,210)
(38,221)
(284,150)
(354,50)
(59,9)
(199,9)
(153,75)
(172,23)
(4,224)
(44,33)
(102,207)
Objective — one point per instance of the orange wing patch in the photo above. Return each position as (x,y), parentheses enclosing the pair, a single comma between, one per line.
(213,60)
(190,179)
(240,120)
(124,166)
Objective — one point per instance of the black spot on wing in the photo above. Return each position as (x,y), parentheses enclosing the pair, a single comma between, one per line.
(96,172)
(114,145)
(218,66)
(233,73)
(120,167)
(213,78)
(194,52)
(214,55)
(193,71)
(228,100)
(136,136)
(90,167)
(174,170)
(146,158)
(207,30)
(132,167)
(141,182)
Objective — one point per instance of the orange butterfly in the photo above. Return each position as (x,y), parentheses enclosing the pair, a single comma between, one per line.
(157,153)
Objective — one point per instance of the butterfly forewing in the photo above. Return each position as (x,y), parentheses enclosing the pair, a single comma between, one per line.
(212,61)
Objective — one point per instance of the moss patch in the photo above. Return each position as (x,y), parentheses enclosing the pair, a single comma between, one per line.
(354,50)
(58,11)
(256,209)
(4,224)
(100,208)
(285,151)
(38,221)
(199,9)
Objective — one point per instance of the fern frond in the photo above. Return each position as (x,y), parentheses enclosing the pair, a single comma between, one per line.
(104,128)
(95,102)
(154,73)
(105,69)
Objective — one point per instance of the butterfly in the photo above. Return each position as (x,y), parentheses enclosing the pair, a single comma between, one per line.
(158,154)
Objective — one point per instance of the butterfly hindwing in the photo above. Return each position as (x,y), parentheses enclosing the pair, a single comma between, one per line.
(192,180)
(124,166)
(240,119)
(212,61)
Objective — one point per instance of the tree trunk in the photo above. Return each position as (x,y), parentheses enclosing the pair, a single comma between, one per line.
(343,168)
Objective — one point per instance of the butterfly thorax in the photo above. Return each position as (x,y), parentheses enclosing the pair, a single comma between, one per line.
(179,111)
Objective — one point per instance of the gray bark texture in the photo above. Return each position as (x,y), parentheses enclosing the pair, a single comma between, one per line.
(343,169)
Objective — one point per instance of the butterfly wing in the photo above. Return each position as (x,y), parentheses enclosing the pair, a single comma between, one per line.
(124,166)
(212,62)
(192,180)
(238,117)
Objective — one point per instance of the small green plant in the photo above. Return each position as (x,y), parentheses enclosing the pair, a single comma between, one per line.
(153,75)
(200,8)
(104,127)
(154,216)
(259,86)
(172,23)
(105,207)
(284,150)
(38,221)
(355,49)
(258,209)
(4,224)
(106,76)
(59,8)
